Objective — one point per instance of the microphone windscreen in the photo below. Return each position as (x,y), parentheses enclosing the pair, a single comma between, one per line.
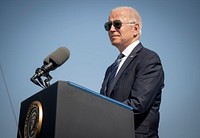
(58,57)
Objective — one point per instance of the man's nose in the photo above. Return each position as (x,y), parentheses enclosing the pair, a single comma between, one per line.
(112,28)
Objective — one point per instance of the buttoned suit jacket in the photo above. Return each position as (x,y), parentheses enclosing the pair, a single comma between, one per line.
(139,83)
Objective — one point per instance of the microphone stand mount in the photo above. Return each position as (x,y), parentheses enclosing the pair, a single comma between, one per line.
(38,78)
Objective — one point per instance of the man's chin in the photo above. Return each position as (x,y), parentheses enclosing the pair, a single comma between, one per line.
(115,43)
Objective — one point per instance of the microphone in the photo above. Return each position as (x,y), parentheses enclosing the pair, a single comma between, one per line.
(54,60)
(51,62)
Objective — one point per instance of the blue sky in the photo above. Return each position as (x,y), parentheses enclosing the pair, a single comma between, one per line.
(32,29)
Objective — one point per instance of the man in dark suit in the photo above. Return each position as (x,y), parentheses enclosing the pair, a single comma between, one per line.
(139,78)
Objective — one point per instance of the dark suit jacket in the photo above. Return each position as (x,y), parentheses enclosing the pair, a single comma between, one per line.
(139,83)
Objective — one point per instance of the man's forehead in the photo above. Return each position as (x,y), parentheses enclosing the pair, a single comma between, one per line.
(118,15)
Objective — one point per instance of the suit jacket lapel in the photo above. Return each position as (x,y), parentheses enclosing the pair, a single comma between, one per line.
(131,56)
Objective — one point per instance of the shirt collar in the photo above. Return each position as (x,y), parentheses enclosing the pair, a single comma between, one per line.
(130,48)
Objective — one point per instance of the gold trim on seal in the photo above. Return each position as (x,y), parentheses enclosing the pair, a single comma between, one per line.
(33,121)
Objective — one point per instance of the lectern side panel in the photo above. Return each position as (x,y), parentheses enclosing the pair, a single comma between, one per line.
(84,115)
(47,98)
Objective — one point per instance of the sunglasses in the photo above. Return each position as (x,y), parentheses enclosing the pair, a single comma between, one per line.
(116,23)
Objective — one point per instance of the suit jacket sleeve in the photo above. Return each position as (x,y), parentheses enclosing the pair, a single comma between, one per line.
(147,85)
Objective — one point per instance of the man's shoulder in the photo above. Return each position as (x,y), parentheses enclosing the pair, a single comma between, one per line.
(146,53)
(146,50)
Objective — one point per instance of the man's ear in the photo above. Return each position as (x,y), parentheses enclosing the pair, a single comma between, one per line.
(136,30)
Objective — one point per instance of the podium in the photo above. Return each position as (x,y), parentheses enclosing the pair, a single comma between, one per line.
(68,110)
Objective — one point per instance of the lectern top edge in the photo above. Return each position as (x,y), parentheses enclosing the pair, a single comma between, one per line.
(99,95)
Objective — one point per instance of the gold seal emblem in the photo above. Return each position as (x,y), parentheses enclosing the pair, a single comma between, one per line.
(33,121)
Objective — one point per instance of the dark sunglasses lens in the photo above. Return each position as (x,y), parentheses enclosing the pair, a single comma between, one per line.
(107,26)
(117,24)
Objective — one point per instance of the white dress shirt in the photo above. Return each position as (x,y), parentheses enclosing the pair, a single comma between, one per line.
(127,52)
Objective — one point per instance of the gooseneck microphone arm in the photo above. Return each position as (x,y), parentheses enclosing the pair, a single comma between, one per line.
(37,78)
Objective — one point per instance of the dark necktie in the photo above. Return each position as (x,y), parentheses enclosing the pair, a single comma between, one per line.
(114,70)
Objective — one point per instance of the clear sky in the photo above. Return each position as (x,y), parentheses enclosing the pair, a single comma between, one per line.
(32,29)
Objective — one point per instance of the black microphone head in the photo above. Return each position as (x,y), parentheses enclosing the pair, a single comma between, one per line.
(58,57)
